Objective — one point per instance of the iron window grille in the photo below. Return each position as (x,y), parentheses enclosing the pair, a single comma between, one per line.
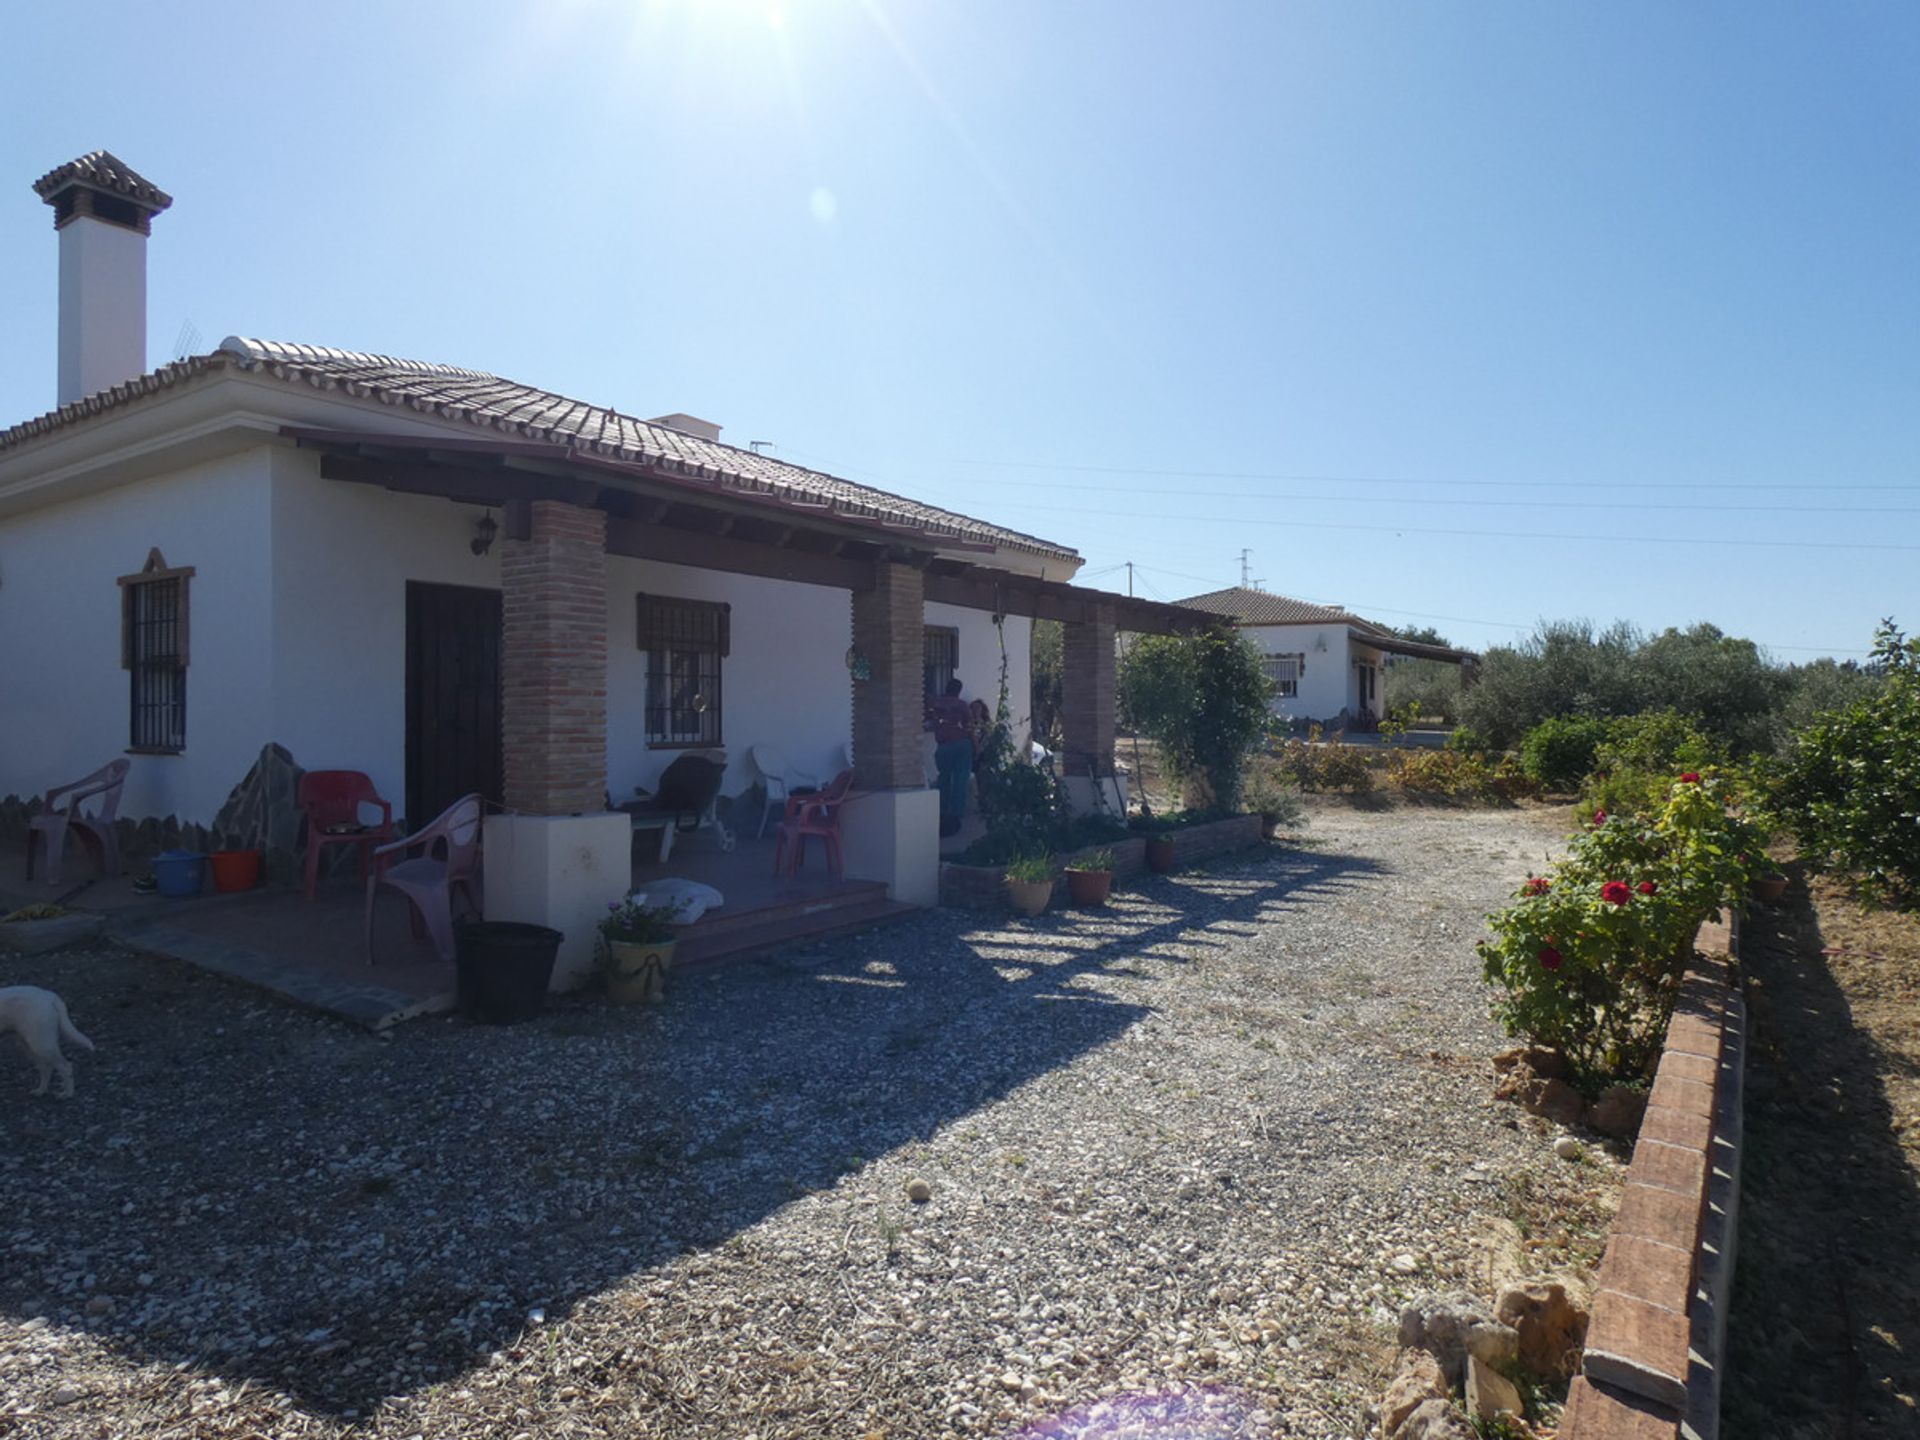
(153,651)
(939,658)
(1285,672)
(685,641)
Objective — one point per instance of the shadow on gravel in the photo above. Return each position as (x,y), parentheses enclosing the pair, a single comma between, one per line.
(1824,1328)
(272,1197)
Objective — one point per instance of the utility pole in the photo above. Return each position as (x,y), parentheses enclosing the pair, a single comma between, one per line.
(1129,579)
(1246,567)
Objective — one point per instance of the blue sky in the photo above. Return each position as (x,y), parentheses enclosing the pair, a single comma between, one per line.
(1482,312)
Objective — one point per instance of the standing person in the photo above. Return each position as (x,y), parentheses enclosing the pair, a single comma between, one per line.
(953,748)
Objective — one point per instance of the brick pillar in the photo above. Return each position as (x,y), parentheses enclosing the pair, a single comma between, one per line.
(1087,693)
(889,707)
(554,661)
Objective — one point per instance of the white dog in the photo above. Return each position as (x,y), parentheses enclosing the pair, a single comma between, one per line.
(39,1018)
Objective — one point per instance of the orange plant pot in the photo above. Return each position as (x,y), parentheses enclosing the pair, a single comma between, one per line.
(235,869)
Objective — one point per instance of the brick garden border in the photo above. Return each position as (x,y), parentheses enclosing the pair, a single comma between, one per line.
(1656,1343)
(983,887)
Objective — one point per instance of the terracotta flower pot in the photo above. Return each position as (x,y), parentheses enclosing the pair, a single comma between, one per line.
(1029,897)
(636,973)
(1768,889)
(1089,887)
(1160,854)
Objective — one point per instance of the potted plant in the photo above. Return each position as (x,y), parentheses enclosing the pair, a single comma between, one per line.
(1030,884)
(1090,878)
(636,950)
(1769,886)
(1159,853)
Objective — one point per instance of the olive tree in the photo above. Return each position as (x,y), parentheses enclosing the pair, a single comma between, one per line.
(1202,699)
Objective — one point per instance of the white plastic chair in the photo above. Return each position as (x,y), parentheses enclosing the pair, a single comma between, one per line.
(780,778)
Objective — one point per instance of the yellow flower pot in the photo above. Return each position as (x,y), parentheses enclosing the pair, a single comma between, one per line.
(637,974)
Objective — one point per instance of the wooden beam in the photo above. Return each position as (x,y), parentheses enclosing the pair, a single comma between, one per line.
(734,556)
(476,485)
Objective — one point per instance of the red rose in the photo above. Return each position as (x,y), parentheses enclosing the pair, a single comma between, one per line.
(1538,885)
(1550,958)
(1646,887)
(1615,892)
(1692,777)
(1599,818)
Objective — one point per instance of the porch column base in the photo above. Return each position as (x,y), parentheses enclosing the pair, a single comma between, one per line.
(894,836)
(561,871)
(1088,795)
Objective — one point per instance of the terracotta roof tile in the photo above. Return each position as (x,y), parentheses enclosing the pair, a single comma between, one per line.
(1260,607)
(103,170)
(524,412)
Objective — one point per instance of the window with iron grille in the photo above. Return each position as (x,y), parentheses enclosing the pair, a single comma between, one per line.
(153,651)
(939,657)
(1285,672)
(685,641)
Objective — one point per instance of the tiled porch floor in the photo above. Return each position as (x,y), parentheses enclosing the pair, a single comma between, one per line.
(313,953)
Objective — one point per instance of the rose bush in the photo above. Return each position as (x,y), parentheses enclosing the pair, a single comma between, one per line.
(1587,960)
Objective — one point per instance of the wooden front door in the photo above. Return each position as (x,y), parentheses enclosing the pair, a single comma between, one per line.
(453,697)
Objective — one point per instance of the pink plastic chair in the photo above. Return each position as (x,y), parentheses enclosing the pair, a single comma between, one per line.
(332,800)
(817,814)
(449,860)
(61,810)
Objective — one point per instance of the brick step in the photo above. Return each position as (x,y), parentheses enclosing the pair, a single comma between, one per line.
(793,908)
(745,940)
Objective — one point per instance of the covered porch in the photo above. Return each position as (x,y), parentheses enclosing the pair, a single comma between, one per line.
(555,855)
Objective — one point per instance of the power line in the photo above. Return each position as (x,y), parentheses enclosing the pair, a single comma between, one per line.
(1164,474)
(1483,534)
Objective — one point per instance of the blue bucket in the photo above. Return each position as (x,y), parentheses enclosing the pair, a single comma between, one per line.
(178,873)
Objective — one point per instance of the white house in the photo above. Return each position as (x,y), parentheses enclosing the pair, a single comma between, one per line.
(1326,662)
(455,582)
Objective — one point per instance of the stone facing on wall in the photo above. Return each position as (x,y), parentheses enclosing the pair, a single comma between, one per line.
(1656,1343)
(888,706)
(554,661)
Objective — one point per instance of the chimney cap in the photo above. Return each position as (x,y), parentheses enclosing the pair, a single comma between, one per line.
(105,173)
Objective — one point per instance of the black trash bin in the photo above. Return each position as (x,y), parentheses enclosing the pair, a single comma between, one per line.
(503,968)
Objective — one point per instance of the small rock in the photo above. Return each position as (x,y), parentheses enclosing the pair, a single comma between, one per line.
(1557,1101)
(1568,1148)
(1618,1111)
(1449,1325)
(1012,1382)
(1489,1392)
(919,1191)
(1406,1264)
(64,1395)
(99,1305)
(1434,1420)
(1418,1381)
(1550,1317)
(38,1322)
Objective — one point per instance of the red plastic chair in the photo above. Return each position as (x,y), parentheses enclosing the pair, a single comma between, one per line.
(449,860)
(60,810)
(332,800)
(818,815)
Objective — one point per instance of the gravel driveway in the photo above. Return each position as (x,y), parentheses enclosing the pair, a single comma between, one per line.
(1185,1156)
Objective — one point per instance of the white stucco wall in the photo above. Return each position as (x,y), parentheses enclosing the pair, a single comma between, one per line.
(1326,688)
(979,661)
(342,557)
(298,634)
(785,682)
(65,700)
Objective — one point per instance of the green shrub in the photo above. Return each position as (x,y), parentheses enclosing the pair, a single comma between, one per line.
(1849,784)
(1558,753)
(1636,762)
(1271,795)
(1458,776)
(1202,699)
(1430,688)
(1587,959)
(1465,740)
(1316,767)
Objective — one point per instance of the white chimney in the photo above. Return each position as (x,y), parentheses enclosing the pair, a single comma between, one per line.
(104,210)
(688,425)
